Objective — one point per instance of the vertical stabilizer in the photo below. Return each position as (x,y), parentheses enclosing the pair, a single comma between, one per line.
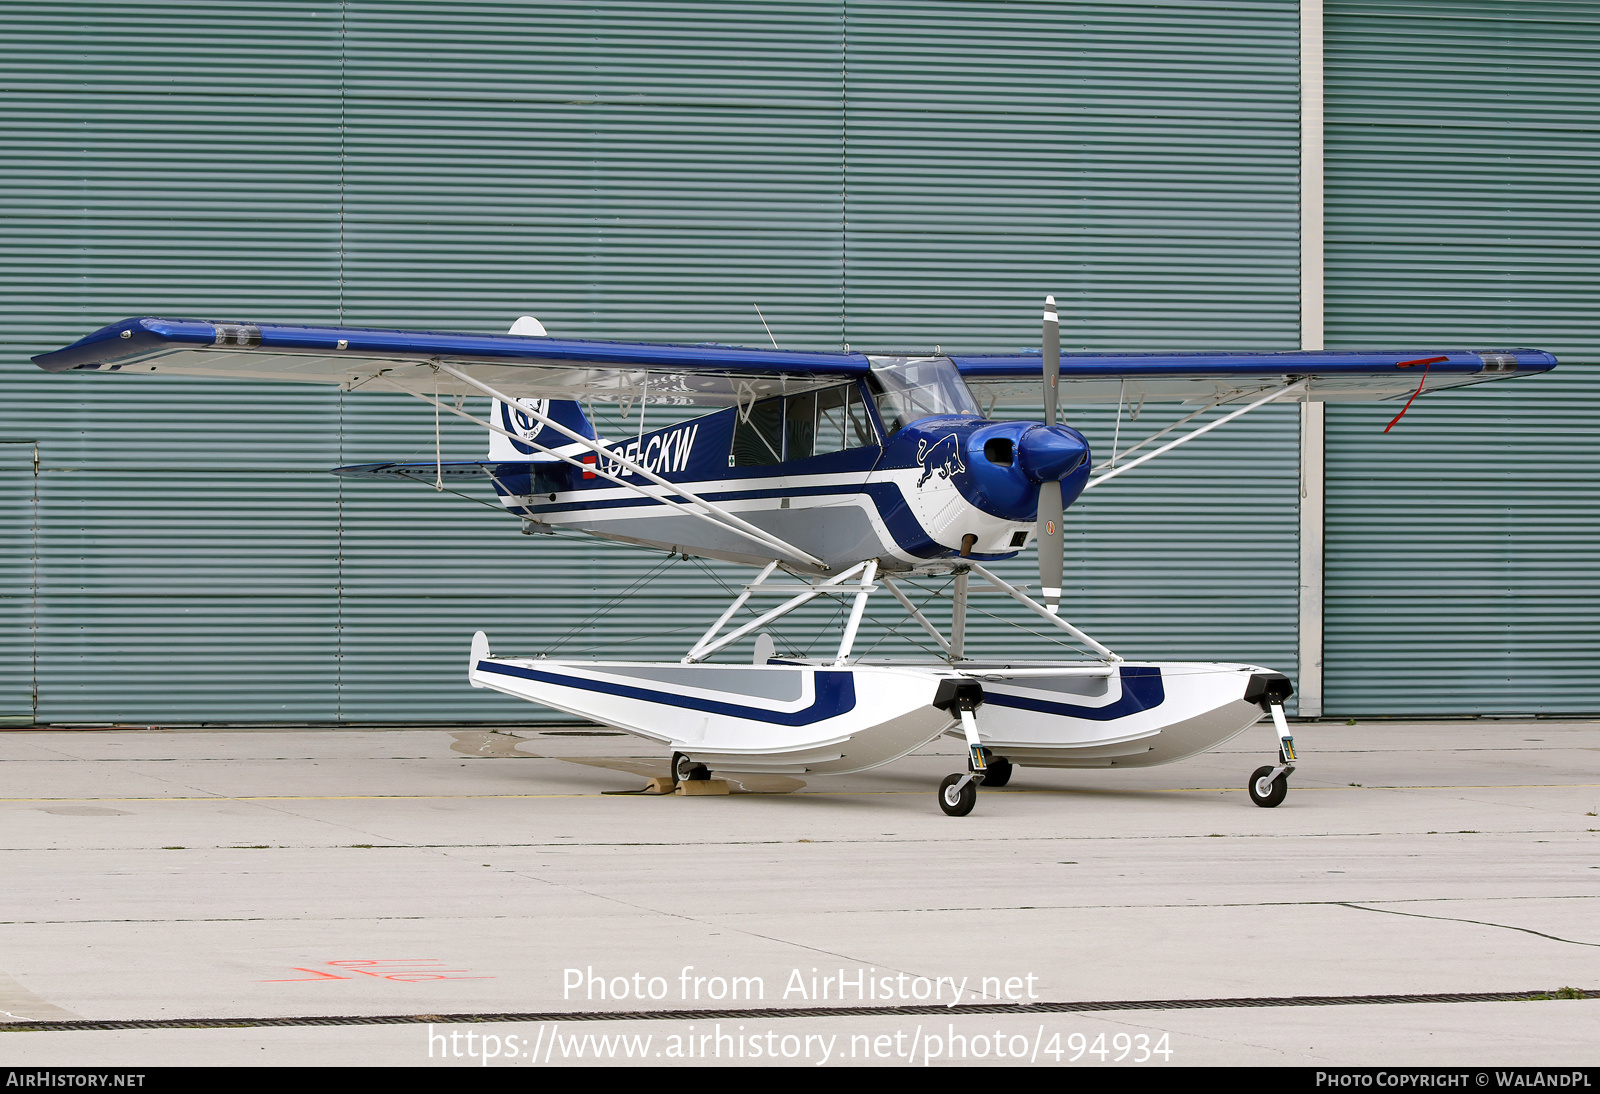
(513,417)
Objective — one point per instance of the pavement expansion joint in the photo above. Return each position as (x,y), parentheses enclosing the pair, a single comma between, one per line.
(913,1010)
(1192,906)
(941,841)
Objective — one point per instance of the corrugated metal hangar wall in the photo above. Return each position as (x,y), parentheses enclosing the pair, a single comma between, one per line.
(894,175)
(1463,549)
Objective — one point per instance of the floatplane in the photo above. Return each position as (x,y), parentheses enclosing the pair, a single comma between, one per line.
(834,474)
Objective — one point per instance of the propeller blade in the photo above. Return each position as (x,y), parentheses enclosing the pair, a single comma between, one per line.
(1052,358)
(1048,535)
(1050,544)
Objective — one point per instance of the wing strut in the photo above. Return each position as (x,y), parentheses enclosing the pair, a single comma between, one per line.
(707,511)
(1158,434)
(1292,389)
(1045,613)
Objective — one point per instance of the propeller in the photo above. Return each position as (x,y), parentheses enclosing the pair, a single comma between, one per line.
(1048,533)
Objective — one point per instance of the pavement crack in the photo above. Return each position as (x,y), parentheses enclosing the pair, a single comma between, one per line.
(1478,922)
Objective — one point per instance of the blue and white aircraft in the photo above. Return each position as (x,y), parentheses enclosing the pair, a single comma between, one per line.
(844,472)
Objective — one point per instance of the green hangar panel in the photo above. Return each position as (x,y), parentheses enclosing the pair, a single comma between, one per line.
(1463,548)
(894,175)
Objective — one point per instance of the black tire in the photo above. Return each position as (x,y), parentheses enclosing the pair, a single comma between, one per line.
(1280,788)
(685,770)
(998,773)
(954,803)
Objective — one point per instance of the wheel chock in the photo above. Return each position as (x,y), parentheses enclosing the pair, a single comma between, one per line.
(703,786)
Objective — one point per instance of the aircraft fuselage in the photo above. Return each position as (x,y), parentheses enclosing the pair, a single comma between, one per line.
(822,470)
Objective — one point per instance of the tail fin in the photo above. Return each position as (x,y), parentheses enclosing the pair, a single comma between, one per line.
(512,417)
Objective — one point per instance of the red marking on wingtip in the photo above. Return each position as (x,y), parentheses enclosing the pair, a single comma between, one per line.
(1426,363)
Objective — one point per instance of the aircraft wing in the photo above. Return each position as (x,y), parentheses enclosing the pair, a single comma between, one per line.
(1333,375)
(523,366)
(519,365)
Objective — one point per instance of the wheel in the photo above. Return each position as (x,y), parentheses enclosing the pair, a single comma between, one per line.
(1265,794)
(957,803)
(685,770)
(998,773)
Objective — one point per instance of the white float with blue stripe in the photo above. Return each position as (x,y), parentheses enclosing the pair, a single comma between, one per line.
(741,719)
(1130,714)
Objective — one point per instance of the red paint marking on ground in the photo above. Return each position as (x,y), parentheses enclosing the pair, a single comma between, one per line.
(408,970)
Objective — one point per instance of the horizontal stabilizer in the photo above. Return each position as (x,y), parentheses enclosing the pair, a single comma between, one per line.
(429,469)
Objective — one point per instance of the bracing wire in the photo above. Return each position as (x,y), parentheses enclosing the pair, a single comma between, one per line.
(911,639)
(459,494)
(654,635)
(973,609)
(713,575)
(890,628)
(599,612)
(830,627)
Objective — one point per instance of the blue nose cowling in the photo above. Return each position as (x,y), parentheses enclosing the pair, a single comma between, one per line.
(1049,453)
(1006,462)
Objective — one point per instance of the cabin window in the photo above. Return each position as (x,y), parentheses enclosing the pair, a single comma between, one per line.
(908,388)
(758,437)
(860,432)
(800,425)
(833,419)
(793,428)
(842,421)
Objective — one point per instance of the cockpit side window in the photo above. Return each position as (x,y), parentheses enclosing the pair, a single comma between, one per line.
(860,432)
(842,420)
(908,388)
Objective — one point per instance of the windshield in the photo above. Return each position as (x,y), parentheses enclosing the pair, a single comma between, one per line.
(908,388)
